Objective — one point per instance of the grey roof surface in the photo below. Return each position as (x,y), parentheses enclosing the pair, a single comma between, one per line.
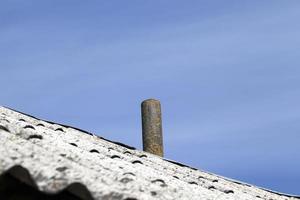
(53,158)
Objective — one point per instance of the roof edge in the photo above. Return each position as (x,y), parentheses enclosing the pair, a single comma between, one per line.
(233,180)
(165,159)
(73,127)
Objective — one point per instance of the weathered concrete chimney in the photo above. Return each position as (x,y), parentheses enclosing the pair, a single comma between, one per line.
(152,127)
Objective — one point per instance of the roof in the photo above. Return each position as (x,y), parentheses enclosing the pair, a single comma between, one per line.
(55,159)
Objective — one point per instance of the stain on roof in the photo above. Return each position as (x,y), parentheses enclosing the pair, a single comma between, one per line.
(64,162)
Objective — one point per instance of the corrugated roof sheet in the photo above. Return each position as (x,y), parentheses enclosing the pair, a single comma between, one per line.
(53,158)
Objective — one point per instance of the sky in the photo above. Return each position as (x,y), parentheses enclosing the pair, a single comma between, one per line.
(227,74)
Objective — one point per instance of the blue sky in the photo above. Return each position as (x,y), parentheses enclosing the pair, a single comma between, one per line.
(227,74)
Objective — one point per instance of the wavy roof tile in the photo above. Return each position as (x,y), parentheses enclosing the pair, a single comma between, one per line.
(61,162)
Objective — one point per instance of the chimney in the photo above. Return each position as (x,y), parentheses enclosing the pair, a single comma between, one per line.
(152,127)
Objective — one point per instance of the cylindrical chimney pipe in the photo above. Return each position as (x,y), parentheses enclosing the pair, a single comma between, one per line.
(152,127)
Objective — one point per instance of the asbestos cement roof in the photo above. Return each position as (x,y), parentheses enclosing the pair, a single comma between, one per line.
(53,158)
